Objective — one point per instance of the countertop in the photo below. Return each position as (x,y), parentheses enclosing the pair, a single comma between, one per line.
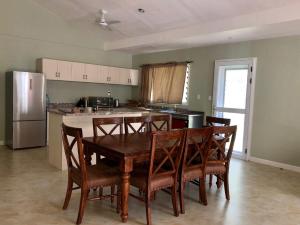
(111,111)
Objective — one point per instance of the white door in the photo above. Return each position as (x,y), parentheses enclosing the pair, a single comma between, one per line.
(233,98)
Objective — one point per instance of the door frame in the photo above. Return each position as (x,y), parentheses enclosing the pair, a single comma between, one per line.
(251,92)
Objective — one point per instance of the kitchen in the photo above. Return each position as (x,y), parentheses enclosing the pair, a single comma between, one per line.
(32,30)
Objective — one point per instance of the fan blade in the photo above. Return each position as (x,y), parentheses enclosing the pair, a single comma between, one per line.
(113,22)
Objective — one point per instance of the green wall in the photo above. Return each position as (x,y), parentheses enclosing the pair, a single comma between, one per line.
(29,31)
(276,122)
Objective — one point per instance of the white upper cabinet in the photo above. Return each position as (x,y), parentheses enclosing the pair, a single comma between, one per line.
(55,69)
(125,76)
(82,72)
(129,76)
(114,75)
(109,75)
(134,77)
(85,72)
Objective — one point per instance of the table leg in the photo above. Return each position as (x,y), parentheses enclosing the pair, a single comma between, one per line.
(88,154)
(126,168)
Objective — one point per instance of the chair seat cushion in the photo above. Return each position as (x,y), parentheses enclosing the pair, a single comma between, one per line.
(98,176)
(192,173)
(215,168)
(139,179)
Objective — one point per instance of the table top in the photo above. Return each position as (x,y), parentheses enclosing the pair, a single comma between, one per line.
(122,145)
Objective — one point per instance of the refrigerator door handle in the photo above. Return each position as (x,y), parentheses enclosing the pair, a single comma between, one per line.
(30,84)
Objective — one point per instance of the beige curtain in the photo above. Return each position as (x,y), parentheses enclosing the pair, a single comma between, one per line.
(163,83)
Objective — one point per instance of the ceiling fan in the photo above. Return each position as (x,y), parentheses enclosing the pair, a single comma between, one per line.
(103,23)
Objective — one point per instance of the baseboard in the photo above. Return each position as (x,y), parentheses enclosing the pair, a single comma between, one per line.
(2,142)
(275,164)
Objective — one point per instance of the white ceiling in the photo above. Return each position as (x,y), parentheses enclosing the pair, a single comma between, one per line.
(174,24)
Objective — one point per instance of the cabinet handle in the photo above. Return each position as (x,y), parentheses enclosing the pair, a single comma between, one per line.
(58,74)
(86,76)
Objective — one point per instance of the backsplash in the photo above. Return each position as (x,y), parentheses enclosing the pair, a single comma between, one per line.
(63,91)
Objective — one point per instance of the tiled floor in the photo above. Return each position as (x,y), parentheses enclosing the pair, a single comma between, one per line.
(32,192)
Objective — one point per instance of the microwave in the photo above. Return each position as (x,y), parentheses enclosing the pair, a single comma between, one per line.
(100,102)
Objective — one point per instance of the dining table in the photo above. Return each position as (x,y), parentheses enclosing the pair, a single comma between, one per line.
(124,149)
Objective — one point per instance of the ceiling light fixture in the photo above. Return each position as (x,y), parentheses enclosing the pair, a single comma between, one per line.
(140,10)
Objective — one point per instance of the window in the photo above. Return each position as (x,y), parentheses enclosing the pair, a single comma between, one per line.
(185,96)
(165,83)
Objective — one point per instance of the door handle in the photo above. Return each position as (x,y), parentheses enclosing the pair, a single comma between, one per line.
(30,84)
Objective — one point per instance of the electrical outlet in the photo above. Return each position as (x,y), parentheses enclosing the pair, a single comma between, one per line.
(198,96)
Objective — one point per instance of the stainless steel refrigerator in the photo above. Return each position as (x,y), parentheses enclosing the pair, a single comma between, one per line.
(25,109)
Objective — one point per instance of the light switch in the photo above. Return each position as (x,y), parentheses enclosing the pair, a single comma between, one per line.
(209,98)
(198,96)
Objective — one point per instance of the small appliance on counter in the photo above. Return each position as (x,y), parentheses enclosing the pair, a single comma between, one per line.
(116,103)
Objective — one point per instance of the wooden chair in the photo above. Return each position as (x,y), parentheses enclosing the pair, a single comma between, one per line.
(216,121)
(85,176)
(101,124)
(220,166)
(197,145)
(156,176)
(160,122)
(143,122)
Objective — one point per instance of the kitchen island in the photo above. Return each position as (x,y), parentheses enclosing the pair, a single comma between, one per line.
(83,120)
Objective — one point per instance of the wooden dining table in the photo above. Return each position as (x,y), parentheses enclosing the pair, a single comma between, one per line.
(125,149)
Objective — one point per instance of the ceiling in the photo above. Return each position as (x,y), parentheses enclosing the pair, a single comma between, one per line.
(174,24)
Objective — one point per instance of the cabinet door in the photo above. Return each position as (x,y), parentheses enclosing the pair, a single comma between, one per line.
(114,75)
(64,70)
(49,68)
(134,77)
(124,76)
(103,76)
(78,72)
(91,73)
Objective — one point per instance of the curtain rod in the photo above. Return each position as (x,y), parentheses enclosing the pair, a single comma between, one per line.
(167,63)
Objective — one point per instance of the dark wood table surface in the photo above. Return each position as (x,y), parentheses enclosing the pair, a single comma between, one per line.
(126,148)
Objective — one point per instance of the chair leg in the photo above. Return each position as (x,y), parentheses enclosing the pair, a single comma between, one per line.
(112,192)
(226,186)
(83,200)
(202,191)
(100,191)
(219,182)
(118,198)
(181,197)
(68,193)
(148,208)
(174,201)
(210,180)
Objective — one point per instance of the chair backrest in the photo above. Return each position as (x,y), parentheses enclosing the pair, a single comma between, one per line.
(217,121)
(142,122)
(160,122)
(166,152)
(222,136)
(197,147)
(75,162)
(101,125)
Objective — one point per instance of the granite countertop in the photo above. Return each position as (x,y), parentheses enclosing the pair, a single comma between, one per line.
(111,111)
